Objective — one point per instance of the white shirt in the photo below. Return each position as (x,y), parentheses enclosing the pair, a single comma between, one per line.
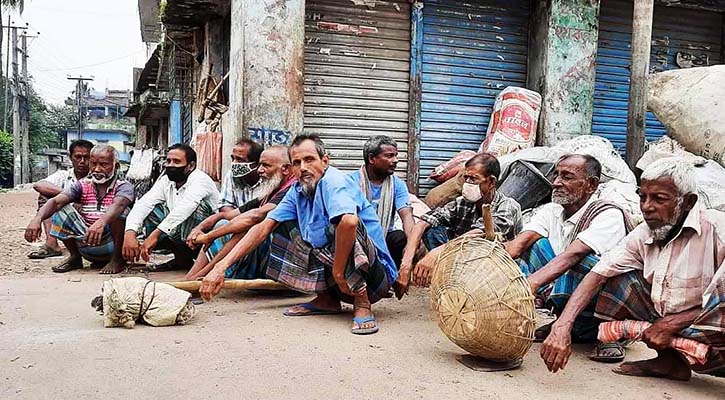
(181,202)
(684,272)
(236,195)
(604,232)
(62,178)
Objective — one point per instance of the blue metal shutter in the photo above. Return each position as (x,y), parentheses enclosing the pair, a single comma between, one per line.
(674,30)
(471,51)
(357,73)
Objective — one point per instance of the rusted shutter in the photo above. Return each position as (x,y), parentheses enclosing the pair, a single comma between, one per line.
(357,70)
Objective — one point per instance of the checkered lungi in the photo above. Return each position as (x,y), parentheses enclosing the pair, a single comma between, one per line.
(67,223)
(182,231)
(435,236)
(628,296)
(295,263)
(252,266)
(558,292)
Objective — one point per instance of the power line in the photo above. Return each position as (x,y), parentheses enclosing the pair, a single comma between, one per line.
(92,65)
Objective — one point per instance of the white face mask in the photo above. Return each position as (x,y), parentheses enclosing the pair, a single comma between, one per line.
(471,192)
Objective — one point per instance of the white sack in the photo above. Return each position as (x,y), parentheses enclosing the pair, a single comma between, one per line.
(690,103)
(162,302)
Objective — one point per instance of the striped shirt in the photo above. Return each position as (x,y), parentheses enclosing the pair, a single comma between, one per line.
(92,205)
(235,195)
(685,271)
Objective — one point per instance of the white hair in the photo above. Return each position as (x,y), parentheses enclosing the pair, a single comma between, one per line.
(101,148)
(681,172)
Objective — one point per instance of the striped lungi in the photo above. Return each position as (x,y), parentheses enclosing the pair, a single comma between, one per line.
(558,292)
(628,296)
(67,223)
(181,232)
(252,266)
(295,263)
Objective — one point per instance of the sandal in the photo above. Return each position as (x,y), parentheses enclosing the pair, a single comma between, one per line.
(363,320)
(600,348)
(44,252)
(68,265)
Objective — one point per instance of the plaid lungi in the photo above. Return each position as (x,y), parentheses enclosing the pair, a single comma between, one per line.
(558,292)
(181,232)
(435,236)
(295,263)
(67,223)
(252,266)
(628,296)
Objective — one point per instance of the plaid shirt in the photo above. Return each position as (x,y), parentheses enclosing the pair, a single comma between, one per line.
(686,272)
(236,195)
(460,216)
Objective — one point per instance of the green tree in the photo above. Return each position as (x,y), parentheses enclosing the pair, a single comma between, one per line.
(6,159)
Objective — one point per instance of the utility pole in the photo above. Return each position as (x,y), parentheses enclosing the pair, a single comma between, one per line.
(79,100)
(7,78)
(25,110)
(17,136)
(637,110)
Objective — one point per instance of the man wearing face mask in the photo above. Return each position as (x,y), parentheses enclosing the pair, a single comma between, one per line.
(94,231)
(179,200)
(668,275)
(461,216)
(564,240)
(241,184)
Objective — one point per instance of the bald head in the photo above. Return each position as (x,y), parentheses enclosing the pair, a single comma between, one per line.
(273,162)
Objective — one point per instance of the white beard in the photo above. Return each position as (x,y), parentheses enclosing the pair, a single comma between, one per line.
(562,198)
(270,185)
(661,233)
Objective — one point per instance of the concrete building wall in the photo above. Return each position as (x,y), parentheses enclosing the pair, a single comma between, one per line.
(564,70)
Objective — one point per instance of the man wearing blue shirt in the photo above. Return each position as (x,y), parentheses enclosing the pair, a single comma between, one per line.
(326,239)
(388,193)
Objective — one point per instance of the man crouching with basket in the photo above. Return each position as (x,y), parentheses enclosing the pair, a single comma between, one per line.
(326,239)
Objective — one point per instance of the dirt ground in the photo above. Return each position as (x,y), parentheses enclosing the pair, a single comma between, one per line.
(53,345)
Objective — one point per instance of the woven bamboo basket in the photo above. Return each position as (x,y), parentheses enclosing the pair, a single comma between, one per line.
(481,300)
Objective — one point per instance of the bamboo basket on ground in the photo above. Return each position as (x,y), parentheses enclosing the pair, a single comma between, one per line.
(483,303)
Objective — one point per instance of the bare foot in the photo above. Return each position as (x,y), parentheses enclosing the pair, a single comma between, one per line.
(113,267)
(665,365)
(322,302)
(363,320)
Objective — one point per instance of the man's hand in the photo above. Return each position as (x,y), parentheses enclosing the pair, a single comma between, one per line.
(212,284)
(342,285)
(32,232)
(191,239)
(95,233)
(149,244)
(131,249)
(556,349)
(659,335)
(424,270)
(203,239)
(402,284)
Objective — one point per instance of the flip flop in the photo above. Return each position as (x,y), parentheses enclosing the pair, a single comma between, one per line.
(596,354)
(44,252)
(364,331)
(67,266)
(311,310)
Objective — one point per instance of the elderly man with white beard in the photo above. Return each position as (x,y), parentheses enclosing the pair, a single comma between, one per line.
(669,272)
(276,179)
(565,239)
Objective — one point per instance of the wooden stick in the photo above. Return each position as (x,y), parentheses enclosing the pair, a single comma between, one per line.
(233,284)
(488,222)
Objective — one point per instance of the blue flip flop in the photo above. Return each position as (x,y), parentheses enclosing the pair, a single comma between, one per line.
(311,310)
(364,331)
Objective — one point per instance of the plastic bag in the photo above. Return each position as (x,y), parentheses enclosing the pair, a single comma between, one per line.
(450,168)
(513,122)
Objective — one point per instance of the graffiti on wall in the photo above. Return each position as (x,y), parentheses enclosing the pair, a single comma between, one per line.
(268,137)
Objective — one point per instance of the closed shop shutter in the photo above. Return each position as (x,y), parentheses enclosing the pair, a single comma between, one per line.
(690,33)
(471,51)
(357,72)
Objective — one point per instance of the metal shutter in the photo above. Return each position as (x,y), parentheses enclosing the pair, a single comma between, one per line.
(357,69)
(675,30)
